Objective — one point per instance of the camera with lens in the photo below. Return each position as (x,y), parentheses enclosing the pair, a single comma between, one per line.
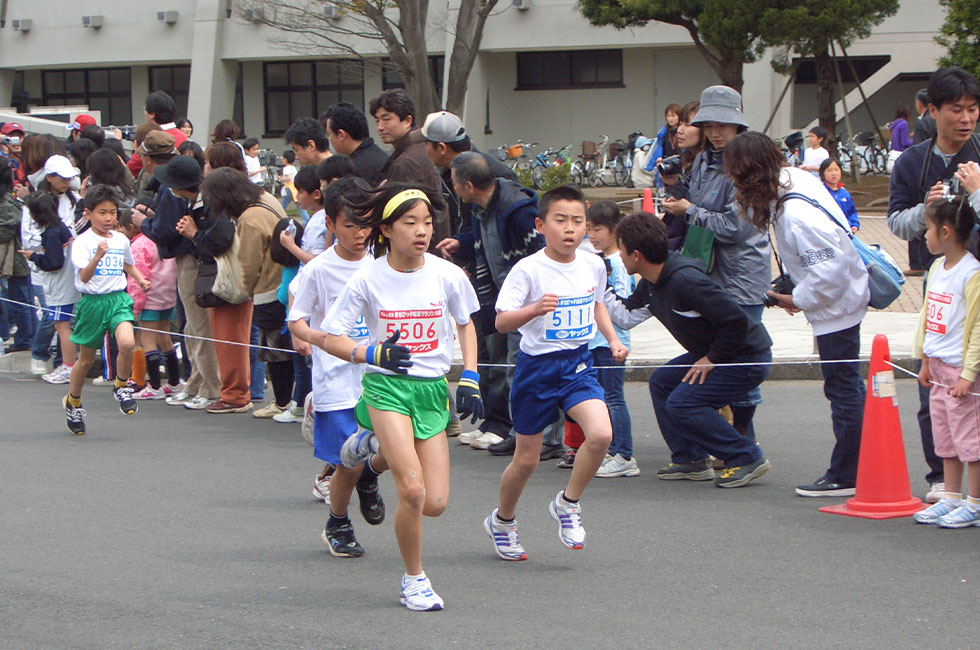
(670,166)
(783,284)
(8,140)
(128,132)
(951,189)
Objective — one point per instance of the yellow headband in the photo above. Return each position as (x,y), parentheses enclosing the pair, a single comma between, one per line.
(402,197)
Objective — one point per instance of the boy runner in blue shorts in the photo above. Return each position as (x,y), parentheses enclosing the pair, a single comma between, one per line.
(102,260)
(554,298)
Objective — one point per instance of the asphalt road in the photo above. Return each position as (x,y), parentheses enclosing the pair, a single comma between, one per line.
(179,529)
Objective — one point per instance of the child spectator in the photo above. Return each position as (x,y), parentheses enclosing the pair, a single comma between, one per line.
(154,311)
(287,176)
(830,174)
(302,375)
(602,219)
(101,257)
(252,164)
(416,297)
(57,276)
(815,153)
(554,298)
(309,198)
(946,339)
(337,384)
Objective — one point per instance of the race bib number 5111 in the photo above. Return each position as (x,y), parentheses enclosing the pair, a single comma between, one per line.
(421,329)
(573,319)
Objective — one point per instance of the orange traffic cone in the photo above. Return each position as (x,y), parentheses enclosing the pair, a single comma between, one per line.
(883,488)
(647,205)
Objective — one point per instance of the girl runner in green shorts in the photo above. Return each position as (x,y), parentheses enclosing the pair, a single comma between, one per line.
(410,300)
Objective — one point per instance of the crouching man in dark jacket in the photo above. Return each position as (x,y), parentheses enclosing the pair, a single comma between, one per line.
(713,329)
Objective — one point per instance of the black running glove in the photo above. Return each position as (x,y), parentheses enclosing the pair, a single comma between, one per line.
(468,401)
(390,356)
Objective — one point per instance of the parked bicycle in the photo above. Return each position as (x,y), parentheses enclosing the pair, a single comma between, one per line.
(545,160)
(515,156)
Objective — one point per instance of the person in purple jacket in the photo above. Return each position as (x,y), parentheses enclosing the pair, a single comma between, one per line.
(901,140)
(830,174)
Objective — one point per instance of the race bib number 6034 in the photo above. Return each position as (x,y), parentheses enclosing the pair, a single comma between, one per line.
(421,329)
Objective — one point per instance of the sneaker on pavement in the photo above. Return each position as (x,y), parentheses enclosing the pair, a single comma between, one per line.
(936,492)
(358,447)
(454,429)
(568,460)
(102,381)
(124,395)
(219,406)
(149,392)
(198,403)
(321,488)
(60,375)
(75,417)
(504,538)
(569,518)
(292,414)
(341,541)
(733,477)
(485,440)
(372,505)
(268,411)
(696,470)
(467,437)
(38,366)
(417,595)
(824,487)
(505,447)
(550,451)
(616,465)
(939,509)
(963,517)
(169,390)
(179,398)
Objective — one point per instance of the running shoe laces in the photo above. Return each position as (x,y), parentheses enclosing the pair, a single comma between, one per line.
(417,595)
(504,536)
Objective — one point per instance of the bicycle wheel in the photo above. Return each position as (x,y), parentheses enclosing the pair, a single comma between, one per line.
(575,173)
(537,176)
(845,160)
(879,162)
(592,174)
(621,173)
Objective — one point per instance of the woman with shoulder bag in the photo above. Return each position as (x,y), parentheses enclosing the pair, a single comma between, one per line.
(831,284)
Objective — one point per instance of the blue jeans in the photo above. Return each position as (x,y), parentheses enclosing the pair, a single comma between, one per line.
(844,387)
(19,289)
(611,380)
(45,331)
(257,384)
(302,378)
(688,414)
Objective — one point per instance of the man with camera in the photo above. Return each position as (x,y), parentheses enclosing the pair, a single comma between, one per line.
(930,170)
(13,137)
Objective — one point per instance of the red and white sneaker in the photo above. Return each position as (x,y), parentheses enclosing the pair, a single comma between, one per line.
(321,488)
(149,392)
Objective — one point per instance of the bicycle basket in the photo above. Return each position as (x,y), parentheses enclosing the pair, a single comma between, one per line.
(616,148)
(865,138)
(588,148)
(515,151)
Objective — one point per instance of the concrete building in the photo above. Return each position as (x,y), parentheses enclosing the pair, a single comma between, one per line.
(542,73)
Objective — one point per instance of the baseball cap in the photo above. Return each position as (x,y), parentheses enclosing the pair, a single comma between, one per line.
(180,173)
(158,143)
(11,127)
(61,166)
(441,126)
(81,121)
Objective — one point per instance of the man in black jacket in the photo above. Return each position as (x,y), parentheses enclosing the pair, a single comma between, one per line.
(713,329)
(347,130)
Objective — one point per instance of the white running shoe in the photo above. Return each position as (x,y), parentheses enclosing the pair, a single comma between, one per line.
(149,392)
(616,465)
(321,488)
(292,414)
(358,447)
(504,538)
(939,509)
(936,492)
(102,381)
(485,440)
(60,375)
(569,518)
(169,390)
(268,411)
(417,595)
(198,403)
(467,437)
(38,366)
(179,398)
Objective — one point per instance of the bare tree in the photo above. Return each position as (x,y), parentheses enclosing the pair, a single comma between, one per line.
(345,27)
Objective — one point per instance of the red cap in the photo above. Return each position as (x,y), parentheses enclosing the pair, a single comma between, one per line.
(81,121)
(11,127)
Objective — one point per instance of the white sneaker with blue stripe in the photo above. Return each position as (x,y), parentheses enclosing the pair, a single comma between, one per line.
(417,595)
(504,537)
(358,447)
(963,517)
(932,514)
(569,518)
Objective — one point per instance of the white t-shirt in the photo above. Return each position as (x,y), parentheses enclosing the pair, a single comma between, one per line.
(578,284)
(813,157)
(422,304)
(336,383)
(946,310)
(288,174)
(314,239)
(109,275)
(252,167)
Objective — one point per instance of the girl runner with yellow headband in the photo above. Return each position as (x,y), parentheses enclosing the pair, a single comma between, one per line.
(409,300)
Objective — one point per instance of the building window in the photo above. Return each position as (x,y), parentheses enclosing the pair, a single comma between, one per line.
(175,80)
(300,89)
(569,69)
(102,89)
(391,78)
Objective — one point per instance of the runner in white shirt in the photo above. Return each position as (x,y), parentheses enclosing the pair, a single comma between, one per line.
(410,299)
(337,383)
